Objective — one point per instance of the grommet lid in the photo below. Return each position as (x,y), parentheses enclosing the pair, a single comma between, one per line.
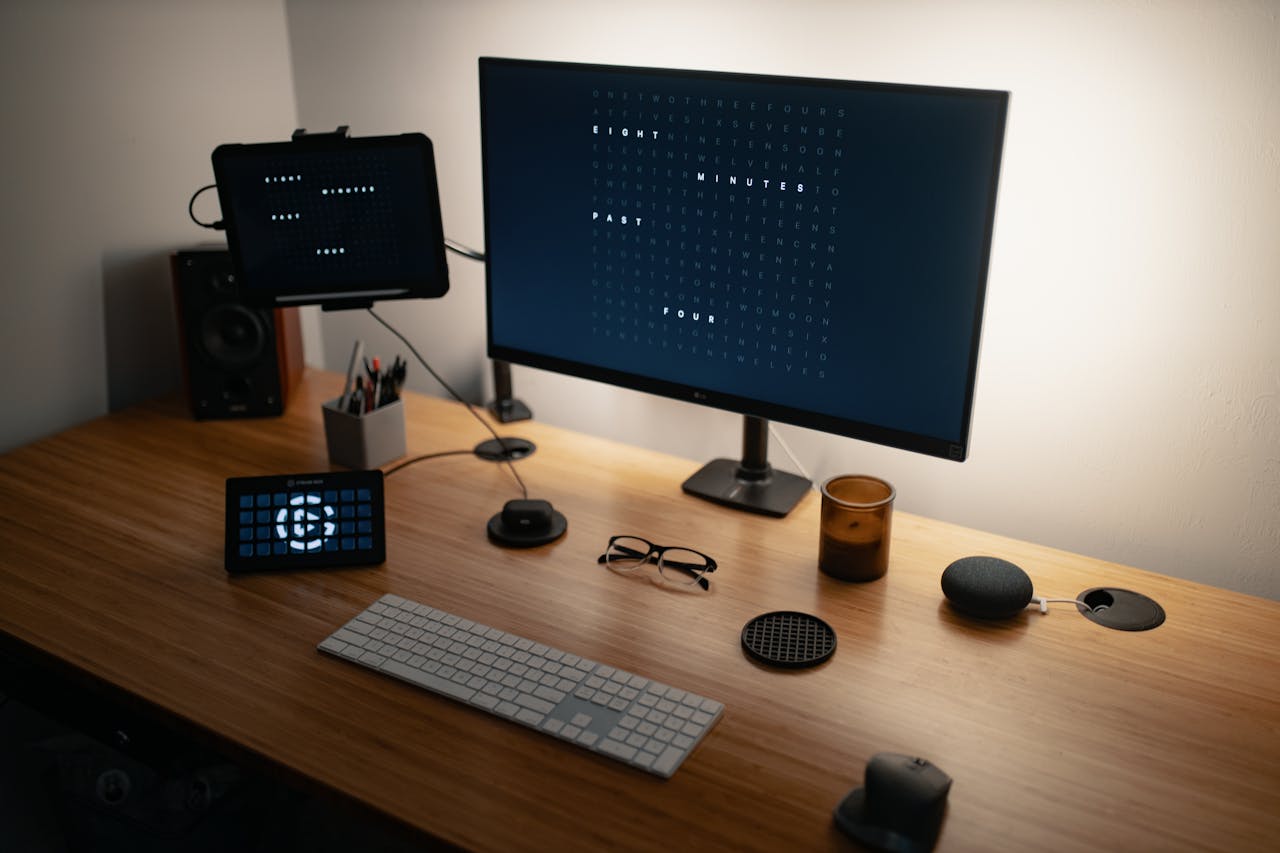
(1120,609)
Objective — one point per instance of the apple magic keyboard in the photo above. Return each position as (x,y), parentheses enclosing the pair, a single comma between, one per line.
(628,717)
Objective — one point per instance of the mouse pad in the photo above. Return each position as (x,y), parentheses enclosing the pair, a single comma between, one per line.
(305,521)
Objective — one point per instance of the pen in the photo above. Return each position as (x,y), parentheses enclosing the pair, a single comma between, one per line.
(355,402)
(357,354)
(398,370)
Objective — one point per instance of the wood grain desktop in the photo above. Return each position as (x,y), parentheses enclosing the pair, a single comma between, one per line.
(1060,734)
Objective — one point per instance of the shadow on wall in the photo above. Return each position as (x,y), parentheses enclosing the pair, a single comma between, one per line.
(141,327)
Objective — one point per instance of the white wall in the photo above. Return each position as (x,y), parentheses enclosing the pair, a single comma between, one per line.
(110,111)
(1128,401)
(1128,397)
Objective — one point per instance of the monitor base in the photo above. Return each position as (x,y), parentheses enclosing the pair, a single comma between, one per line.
(509,410)
(775,493)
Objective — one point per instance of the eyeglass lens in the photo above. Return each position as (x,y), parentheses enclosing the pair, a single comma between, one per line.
(678,565)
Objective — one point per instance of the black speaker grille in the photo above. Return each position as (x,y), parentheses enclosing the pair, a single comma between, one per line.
(987,587)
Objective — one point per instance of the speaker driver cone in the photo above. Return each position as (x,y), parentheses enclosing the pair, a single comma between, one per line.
(232,335)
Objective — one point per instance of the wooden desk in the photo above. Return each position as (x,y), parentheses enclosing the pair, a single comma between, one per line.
(1060,734)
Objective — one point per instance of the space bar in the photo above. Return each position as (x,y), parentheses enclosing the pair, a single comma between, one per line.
(427,680)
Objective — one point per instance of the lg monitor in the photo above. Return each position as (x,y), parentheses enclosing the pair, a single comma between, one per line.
(808,251)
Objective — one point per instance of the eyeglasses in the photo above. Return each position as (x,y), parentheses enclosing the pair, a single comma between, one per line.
(683,566)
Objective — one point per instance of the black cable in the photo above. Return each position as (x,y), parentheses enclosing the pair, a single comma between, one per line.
(524,491)
(424,457)
(191,210)
(466,252)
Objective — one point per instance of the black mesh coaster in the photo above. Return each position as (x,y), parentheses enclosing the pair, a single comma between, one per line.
(788,639)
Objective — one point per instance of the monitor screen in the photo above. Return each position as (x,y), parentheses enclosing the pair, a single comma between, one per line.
(810,251)
(331,220)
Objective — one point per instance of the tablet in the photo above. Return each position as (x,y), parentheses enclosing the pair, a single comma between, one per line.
(332,220)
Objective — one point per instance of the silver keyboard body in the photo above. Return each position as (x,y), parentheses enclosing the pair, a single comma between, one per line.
(643,723)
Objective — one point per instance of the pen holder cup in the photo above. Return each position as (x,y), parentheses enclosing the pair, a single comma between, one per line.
(364,441)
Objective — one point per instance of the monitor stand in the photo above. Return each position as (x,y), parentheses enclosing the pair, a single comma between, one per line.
(752,484)
(505,407)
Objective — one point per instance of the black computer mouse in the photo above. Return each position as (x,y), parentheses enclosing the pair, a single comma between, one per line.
(899,807)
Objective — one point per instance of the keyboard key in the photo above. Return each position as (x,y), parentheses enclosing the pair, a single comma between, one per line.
(668,760)
(429,681)
(540,705)
(617,750)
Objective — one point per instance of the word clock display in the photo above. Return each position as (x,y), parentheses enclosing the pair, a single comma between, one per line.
(305,521)
(752,192)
